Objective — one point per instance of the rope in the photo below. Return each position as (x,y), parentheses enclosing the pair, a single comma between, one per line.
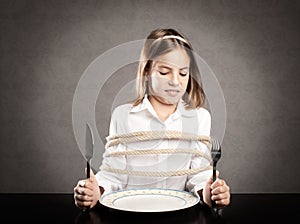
(157,173)
(154,135)
(160,151)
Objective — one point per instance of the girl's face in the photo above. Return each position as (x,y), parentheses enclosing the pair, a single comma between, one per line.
(169,77)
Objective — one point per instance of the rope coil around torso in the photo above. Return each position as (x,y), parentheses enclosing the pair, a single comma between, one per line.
(154,135)
(157,173)
(160,151)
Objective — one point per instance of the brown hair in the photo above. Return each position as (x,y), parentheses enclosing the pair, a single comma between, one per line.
(156,45)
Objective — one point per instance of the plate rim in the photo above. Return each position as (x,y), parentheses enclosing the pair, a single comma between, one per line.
(187,205)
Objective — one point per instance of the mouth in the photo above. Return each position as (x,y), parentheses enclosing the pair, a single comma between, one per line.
(172,92)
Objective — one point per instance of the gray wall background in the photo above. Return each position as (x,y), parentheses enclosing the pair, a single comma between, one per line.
(45,46)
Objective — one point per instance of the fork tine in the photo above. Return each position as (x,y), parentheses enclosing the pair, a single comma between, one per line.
(215,144)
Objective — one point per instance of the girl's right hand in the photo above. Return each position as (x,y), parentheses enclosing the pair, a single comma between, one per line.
(87,192)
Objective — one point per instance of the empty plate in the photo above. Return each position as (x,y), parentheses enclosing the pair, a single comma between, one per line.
(149,200)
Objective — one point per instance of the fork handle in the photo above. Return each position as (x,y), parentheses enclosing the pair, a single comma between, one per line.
(214,171)
(213,203)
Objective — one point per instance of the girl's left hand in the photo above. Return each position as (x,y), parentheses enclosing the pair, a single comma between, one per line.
(217,191)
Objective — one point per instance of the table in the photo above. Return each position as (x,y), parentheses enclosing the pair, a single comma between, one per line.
(60,208)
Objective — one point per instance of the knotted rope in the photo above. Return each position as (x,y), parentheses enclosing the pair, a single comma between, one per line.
(154,135)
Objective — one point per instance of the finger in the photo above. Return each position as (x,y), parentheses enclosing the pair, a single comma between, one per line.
(81,183)
(92,175)
(79,191)
(220,190)
(84,187)
(85,184)
(217,174)
(220,196)
(88,192)
(82,203)
(90,185)
(223,202)
(83,197)
(218,182)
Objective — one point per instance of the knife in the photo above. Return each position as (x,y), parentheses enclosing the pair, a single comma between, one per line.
(89,148)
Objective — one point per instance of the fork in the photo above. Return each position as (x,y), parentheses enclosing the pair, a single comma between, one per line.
(215,155)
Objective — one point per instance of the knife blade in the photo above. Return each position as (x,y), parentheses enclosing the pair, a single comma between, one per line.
(89,148)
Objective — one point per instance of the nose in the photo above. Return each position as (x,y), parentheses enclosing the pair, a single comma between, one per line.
(174,80)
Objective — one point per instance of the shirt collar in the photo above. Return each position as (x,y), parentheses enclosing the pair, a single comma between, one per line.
(181,110)
(145,104)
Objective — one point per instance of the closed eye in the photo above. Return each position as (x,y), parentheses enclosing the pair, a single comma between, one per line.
(183,74)
(163,73)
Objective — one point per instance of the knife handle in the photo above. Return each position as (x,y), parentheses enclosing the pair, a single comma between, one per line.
(88,168)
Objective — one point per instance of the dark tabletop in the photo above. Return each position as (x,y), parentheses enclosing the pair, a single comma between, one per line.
(60,208)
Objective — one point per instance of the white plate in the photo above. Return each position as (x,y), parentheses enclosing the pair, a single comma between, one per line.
(149,200)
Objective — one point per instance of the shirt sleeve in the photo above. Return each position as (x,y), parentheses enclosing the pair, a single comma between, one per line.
(197,182)
(108,180)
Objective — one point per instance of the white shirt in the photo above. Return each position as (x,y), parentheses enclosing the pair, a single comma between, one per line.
(127,118)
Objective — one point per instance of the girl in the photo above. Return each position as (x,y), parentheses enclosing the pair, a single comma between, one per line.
(169,98)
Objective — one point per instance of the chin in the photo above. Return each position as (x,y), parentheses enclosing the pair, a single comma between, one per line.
(172,101)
